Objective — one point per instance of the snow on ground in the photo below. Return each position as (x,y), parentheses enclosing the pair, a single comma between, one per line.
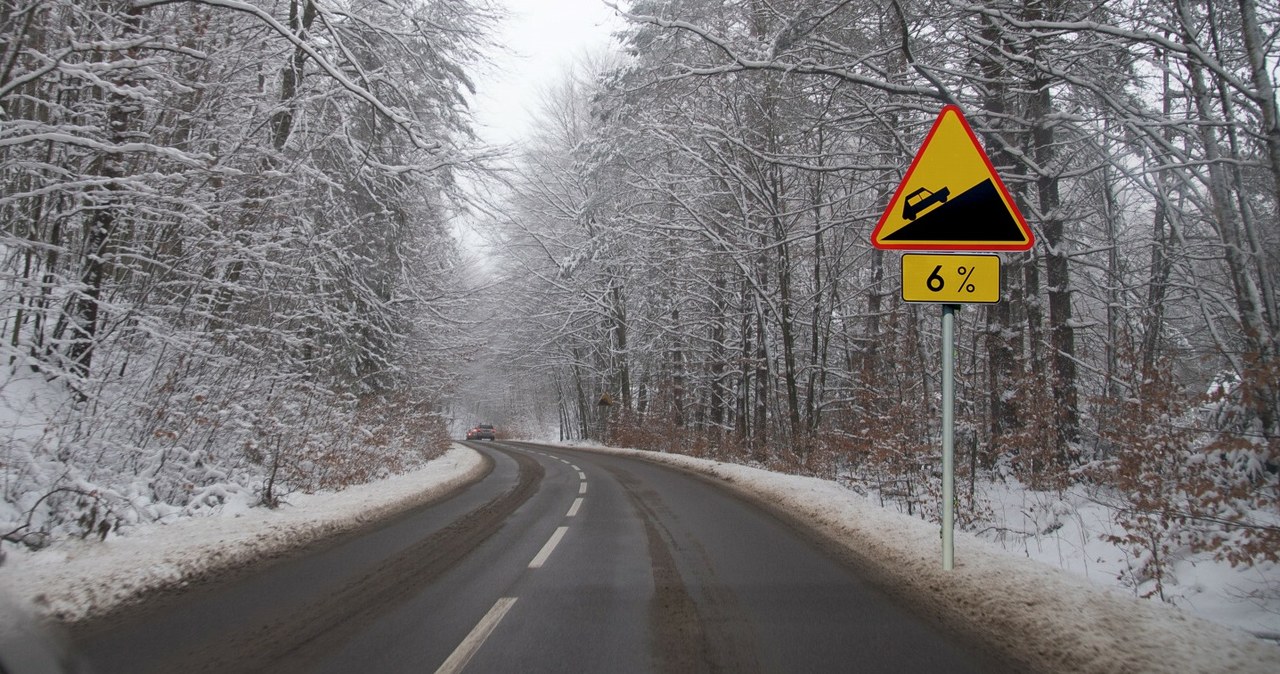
(1068,531)
(1040,617)
(75,580)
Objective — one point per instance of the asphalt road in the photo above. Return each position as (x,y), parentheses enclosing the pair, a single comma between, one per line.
(556,561)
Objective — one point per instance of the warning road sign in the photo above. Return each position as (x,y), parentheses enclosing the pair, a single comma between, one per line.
(951,198)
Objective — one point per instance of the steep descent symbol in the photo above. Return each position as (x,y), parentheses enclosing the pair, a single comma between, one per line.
(911,206)
(951,198)
(976,214)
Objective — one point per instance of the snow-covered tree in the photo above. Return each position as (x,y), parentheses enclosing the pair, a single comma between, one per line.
(226,243)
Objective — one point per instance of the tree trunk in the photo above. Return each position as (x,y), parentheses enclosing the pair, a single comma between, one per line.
(1062,335)
(718,355)
(620,358)
(1161,267)
(77,328)
(1259,339)
(1002,363)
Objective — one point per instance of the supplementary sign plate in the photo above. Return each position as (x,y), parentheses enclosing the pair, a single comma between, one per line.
(951,279)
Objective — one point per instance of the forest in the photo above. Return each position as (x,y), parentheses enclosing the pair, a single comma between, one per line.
(688,262)
(231,272)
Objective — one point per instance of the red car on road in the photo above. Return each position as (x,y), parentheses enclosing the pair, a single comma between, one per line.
(481,432)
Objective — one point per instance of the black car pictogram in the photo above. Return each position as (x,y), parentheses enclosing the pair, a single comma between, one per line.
(914,203)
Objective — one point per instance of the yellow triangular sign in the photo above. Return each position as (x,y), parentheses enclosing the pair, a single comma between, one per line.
(951,197)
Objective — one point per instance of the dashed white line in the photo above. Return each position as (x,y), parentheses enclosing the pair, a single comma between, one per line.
(480,633)
(546,550)
(467,649)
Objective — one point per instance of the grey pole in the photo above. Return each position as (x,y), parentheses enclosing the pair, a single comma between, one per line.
(948,432)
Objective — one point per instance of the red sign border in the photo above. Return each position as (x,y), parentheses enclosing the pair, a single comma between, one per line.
(954,246)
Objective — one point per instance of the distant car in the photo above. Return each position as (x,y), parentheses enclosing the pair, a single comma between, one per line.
(481,432)
(921,199)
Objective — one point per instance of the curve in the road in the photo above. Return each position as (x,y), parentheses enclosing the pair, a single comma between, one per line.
(267,619)
(537,569)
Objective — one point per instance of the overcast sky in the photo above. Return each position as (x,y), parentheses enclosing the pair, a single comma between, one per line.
(543,37)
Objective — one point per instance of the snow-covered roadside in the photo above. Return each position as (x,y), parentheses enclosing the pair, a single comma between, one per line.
(78,580)
(1040,617)
(1074,529)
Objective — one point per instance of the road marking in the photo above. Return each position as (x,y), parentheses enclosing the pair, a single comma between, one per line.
(467,649)
(575,467)
(582,487)
(582,475)
(573,509)
(546,549)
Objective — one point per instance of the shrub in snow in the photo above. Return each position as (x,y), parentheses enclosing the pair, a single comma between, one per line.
(1177,484)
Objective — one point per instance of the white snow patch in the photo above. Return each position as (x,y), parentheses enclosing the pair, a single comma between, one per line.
(75,580)
(1069,531)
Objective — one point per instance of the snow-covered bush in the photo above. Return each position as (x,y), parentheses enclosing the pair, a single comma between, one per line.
(1178,483)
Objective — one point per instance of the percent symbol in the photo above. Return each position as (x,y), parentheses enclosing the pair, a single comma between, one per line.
(965,283)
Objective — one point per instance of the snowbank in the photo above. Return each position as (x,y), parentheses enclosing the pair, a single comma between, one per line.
(76,580)
(1040,618)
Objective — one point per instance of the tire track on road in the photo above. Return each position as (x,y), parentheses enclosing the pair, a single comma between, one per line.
(322,625)
(688,637)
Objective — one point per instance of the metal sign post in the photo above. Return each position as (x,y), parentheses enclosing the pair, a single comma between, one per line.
(948,434)
(951,200)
